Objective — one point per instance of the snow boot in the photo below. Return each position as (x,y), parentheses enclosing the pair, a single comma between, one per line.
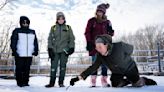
(25,85)
(149,81)
(20,85)
(25,82)
(139,83)
(104,81)
(93,80)
(123,83)
(19,82)
(49,85)
(61,85)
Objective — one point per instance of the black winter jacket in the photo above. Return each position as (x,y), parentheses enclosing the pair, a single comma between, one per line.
(119,61)
(24,42)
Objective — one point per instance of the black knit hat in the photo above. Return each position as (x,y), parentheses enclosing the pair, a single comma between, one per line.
(23,18)
(102,7)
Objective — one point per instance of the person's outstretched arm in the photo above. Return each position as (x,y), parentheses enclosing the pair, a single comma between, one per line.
(87,72)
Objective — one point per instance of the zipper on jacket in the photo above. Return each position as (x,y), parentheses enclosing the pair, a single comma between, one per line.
(60,31)
(59,37)
(27,45)
(56,46)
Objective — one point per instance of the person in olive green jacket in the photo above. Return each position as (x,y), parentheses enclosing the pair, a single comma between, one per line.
(117,57)
(60,45)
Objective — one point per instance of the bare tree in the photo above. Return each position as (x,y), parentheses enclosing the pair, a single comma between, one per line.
(146,39)
(5,39)
(5,28)
(3,3)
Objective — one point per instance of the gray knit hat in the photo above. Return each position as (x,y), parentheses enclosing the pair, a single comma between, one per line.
(105,38)
(60,14)
(99,40)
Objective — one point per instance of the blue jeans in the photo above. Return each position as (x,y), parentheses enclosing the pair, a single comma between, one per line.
(103,67)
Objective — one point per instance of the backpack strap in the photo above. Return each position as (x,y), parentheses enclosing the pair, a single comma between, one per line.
(54,28)
(68,27)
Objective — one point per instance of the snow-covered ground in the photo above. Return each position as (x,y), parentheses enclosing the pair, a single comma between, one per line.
(37,85)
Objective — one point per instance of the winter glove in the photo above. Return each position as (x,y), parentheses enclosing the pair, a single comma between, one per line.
(35,53)
(110,30)
(90,46)
(111,34)
(70,51)
(73,80)
(50,53)
(15,54)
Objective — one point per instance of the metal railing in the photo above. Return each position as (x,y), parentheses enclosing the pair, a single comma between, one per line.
(80,60)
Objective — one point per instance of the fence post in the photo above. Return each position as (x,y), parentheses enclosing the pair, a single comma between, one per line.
(14,68)
(38,63)
(159,57)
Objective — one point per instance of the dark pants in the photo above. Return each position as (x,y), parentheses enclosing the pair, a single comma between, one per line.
(22,70)
(63,58)
(103,68)
(131,75)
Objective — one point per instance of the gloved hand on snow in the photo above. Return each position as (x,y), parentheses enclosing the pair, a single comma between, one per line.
(73,80)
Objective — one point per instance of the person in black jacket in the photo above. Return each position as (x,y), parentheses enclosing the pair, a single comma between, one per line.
(117,57)
(24,46)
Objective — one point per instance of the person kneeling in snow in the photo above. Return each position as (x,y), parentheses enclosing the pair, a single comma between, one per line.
(117,57)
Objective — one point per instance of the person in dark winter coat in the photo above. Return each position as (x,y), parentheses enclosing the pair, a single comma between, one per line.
(97,26)
(117,57)
(24,45)
(60,45)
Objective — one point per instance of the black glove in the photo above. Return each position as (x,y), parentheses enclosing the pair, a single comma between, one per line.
(73,80)
(15,54)
(50,53)
(90,46)
(70,51)
(35,53)
(110,30)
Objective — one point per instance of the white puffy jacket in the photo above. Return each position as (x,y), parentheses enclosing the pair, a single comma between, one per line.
(24,42)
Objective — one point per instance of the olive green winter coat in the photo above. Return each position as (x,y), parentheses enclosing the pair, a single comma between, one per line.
(61,37)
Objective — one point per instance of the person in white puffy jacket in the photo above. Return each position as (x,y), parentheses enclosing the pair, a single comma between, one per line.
(24,46)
